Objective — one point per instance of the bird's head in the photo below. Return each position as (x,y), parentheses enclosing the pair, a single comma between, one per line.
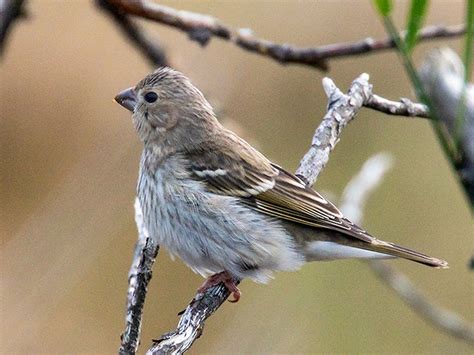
(168,109)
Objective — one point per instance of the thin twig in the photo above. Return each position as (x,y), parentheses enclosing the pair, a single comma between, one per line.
(363,184)
(10,11)
(151,50)
(444,319)
(202,28)
(138,278)
(369,44)
(404,107)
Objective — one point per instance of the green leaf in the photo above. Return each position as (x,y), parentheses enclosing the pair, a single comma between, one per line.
(416,16)
(384,7)
(469,39)
(461,111)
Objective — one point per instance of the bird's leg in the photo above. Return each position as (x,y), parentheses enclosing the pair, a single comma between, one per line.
(225,278)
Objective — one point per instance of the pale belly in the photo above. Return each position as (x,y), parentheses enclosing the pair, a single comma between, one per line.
(212,233)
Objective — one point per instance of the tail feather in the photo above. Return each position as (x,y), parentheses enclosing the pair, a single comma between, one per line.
(327,244)
(405,253)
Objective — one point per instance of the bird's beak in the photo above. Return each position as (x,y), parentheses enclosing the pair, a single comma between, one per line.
(127,98)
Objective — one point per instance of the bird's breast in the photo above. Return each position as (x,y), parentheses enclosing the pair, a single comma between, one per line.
(212,232)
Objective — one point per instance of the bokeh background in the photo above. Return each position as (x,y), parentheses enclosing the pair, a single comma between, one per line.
(69,159)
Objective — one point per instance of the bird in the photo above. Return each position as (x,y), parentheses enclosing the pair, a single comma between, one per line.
(221,206)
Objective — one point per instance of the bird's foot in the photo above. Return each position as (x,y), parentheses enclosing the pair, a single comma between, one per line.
(225,278)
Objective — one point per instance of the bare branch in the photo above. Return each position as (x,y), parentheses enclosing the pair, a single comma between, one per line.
(199,27)
(138,278)
(354,198)
(368,45)
(404,107)
(362,185)
(135,34)
(191,324)
(341,110)
(445,320)
(202,28)
(10,11)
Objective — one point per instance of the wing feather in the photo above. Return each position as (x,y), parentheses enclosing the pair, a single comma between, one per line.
(268,188)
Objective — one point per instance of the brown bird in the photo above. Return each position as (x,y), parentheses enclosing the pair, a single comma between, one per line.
(221,206)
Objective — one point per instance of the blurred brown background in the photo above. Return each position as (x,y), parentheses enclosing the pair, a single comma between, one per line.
(69,159)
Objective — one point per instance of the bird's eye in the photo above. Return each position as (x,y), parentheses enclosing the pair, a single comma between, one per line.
(151,97)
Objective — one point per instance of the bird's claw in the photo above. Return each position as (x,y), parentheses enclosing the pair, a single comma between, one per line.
(225,278)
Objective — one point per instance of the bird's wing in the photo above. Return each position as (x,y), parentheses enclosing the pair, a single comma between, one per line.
(293,200)
(266,187)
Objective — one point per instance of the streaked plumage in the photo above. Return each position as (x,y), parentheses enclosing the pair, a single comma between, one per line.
(220,205)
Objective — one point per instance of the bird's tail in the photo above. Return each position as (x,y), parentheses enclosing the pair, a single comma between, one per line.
(353,243)
(405,253)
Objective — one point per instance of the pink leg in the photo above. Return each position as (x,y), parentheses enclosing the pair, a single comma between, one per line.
(225,278)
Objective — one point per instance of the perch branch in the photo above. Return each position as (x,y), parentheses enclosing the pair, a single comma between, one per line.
(10,11)
(138,278)
(151,50)
(202,28)
(191,324)
(354,198)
